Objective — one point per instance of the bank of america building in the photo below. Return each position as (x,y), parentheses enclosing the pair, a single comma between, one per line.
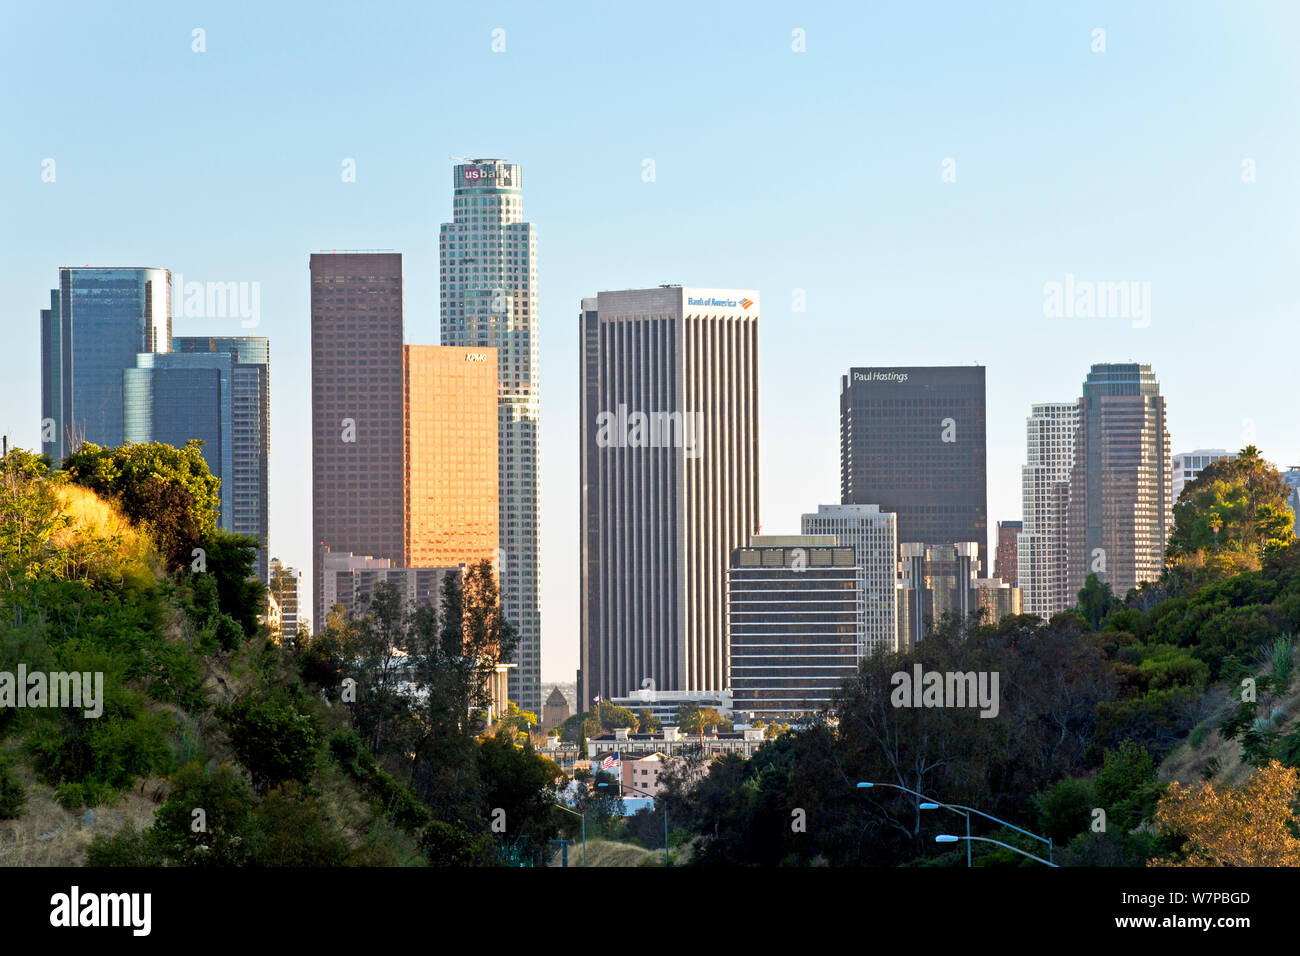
(669,483)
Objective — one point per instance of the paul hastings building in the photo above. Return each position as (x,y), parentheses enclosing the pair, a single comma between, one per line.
(669,465)
(912,441)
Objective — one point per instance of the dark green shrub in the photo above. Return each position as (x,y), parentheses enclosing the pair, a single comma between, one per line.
(12,795)
(288,829)
(128,847)
(272,739)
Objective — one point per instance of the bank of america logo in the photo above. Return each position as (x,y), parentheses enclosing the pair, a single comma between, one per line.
(746,303)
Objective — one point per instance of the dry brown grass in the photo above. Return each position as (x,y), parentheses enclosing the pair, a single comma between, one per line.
(1188,765)
(605,853)
(93,517)
(48,835)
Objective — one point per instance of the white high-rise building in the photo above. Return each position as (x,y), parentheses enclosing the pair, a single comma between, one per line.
(488,271)
(1045,485)
(669,473)
(1292,477)
(872,534)
(1186,465)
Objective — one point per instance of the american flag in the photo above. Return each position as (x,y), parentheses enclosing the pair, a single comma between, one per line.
(610,762)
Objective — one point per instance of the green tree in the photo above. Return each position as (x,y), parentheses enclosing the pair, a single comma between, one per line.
(1236,505)
(1126,786)
(611,717)
(288,828)
(1096,601)
(519,783)
(12,795)
(272,739)
(169,490)
(694,719)
(1065,809)
(230,561)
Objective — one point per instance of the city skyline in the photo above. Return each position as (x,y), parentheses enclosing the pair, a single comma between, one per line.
(868,298)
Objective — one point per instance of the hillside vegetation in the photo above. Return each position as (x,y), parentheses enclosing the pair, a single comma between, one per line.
(214,745)
(1180,695)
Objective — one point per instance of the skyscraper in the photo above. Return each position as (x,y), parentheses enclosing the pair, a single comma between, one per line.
(358,409)
(1042,554)
(792,624)
(285,583)
(1120,484)
(872,535)
(97,322)
(1292,477)
(912,441)
(250,424)
(488,273)
(172,398)
(1004,559)
(934,581)
(1186,465)
(669,471)
(451,455)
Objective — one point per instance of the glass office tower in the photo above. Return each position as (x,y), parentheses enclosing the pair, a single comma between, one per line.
(97,322)
(250,426)
(912,441)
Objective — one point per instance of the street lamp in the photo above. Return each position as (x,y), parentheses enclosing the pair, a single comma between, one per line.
(949,838)
(629,786)
(958,808)
(1012,826)
(934,805)
(930,804)
(583,814)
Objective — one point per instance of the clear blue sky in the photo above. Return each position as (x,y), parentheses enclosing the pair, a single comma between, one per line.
(775,170)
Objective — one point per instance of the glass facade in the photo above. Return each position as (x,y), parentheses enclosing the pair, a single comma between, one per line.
(451,440)
(249,413)
(793,628)
(98,321)
(173,399)
(912,440)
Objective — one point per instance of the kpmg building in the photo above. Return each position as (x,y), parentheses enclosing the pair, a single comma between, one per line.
(912,440)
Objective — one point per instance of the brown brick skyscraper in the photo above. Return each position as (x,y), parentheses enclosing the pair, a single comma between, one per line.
(357,413)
